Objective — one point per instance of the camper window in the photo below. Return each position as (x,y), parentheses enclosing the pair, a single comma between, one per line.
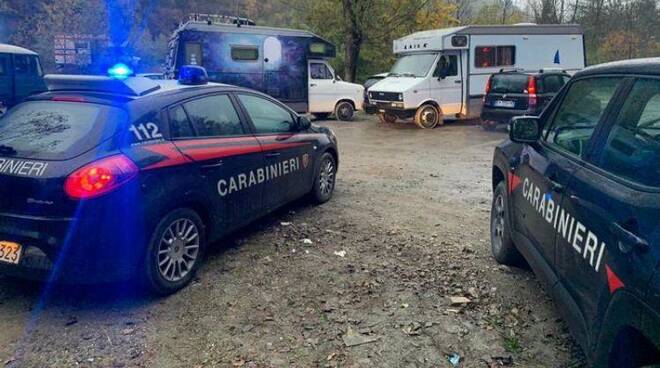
(244,53)
(493,56)
(319,71)
(193,53)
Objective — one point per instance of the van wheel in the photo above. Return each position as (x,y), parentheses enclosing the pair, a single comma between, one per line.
(175,252)
(502,246)
(387,118)
(428,117)
(324,181)
(344,111)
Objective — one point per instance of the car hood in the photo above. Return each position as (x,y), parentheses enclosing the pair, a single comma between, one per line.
(396,84)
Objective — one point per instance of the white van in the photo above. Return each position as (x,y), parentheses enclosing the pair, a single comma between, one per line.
(442,74)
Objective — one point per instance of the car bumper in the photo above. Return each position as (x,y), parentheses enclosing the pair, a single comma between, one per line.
(501,115)
(72,250)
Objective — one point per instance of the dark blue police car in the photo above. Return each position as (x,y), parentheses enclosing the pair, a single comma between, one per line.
(103,179)
(577,195)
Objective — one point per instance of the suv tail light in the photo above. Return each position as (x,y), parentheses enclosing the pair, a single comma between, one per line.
(488,84)
(100,177)
(531,92)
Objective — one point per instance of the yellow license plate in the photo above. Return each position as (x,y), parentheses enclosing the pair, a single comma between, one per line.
(10,252)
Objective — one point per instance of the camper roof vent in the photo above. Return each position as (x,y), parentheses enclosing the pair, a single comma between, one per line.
(221,19)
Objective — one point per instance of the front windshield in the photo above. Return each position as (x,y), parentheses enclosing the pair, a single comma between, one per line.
(416,65)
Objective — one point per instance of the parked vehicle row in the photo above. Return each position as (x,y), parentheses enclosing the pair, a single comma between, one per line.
(442,74)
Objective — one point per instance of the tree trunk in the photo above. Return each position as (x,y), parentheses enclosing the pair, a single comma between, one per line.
(354,38)
(352,56)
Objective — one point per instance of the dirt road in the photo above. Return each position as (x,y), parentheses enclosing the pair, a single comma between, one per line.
(406,231)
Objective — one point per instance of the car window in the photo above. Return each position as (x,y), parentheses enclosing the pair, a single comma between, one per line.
(576,117)
(4,64)
(453,66)
(214,116)
(553,83)
(509,83)
(179,124)
(267,116)
(27,65)
(632,148)
(319,71)
(58,130)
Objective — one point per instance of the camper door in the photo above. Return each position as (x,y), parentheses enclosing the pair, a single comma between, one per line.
(446,84)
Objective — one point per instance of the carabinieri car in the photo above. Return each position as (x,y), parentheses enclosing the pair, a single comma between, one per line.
(105,179)
(577,194)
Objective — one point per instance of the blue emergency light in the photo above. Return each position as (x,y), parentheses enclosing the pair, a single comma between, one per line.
(193,75)
(120,71)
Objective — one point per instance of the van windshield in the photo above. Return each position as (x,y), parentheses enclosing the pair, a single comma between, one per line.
(415,65)
(55,130)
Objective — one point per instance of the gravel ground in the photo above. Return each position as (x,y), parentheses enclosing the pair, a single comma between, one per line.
(406,231)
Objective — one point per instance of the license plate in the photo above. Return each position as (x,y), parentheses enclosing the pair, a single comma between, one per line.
(10,252)
(502,103)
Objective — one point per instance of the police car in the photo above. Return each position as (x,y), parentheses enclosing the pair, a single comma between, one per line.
(577,195)
(106,178)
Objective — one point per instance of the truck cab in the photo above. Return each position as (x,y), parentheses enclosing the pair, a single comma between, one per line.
(20,75)
(329,94)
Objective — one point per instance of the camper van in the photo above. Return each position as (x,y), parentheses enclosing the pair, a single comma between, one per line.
(290,65)
(442,74)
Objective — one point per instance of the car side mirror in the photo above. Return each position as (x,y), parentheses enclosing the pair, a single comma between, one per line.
(304,123)
(525,129)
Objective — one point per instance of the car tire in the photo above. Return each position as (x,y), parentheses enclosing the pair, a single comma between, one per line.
(321,116)
(428,117)
(387,118)
(175,252)
(325,178)
(344,111)
(502,246)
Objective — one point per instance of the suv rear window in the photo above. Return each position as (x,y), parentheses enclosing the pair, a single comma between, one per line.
(509,83)
(54,130)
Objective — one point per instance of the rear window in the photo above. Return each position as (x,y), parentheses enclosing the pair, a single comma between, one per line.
(52,130)
(508,83)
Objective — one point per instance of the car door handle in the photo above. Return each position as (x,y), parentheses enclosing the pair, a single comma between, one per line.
(273,154)
(214,164)
(628,240)
(458,82)
(312,85)
(555,186)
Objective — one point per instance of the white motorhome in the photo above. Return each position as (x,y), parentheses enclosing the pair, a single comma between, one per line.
(442,74)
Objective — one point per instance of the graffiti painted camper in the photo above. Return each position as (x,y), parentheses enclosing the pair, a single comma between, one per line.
(290,65)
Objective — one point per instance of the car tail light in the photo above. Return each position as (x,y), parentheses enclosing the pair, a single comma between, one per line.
(531,92)
(488,84)
(100,177)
